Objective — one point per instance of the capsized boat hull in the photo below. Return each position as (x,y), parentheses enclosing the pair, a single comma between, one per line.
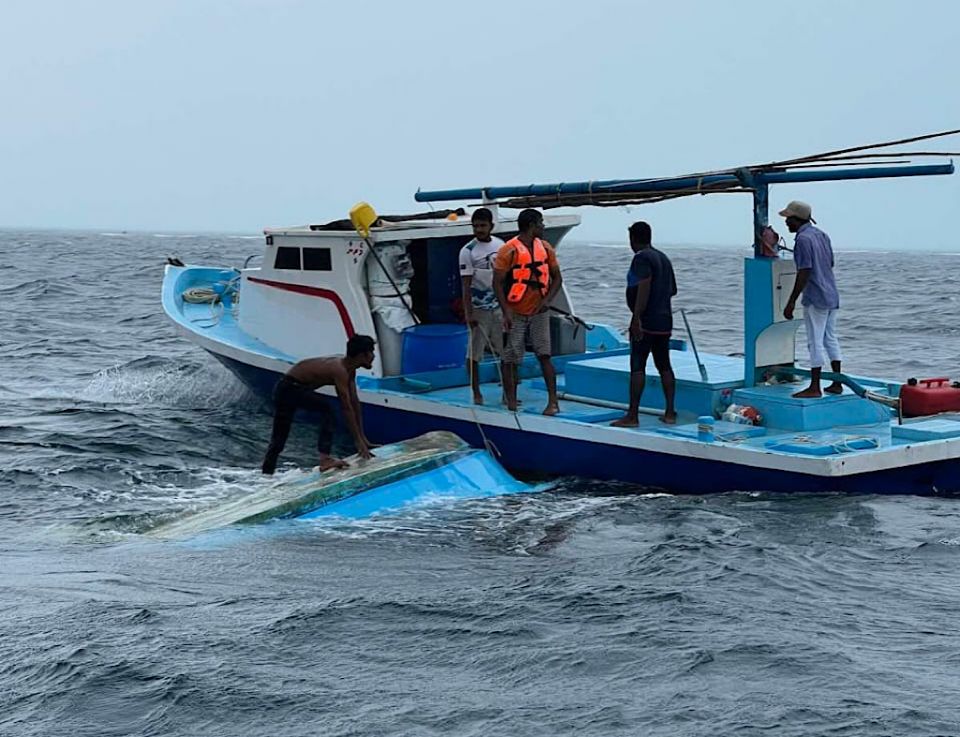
(435,465)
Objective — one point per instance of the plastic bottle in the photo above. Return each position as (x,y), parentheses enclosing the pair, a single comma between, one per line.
(705,426)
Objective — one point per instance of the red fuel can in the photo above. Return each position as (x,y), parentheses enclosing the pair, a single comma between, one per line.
(920,397)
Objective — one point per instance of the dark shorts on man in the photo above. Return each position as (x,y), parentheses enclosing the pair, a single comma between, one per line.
(288,396)
(640,350)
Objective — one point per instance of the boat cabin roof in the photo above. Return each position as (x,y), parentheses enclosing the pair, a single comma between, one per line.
(447,223)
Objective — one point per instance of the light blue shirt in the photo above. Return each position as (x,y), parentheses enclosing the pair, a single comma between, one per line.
(812,250)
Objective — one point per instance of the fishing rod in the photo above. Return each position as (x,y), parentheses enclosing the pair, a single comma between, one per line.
(579,321)
(696,355)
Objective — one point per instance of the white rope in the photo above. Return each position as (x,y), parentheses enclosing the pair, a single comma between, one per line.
(487,443)
(843,445)
(200,295)
(516,415)
(212,296)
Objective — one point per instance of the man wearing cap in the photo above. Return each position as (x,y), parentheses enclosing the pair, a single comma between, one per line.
(813,256)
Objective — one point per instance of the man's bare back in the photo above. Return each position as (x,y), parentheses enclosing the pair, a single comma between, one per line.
(317,372)
(296,391)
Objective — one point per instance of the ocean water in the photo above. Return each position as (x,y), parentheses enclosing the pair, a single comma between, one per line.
(594,609)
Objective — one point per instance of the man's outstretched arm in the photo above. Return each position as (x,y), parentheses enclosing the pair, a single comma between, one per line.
(351,416)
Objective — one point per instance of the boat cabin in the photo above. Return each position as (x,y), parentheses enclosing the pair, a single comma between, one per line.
(320,284)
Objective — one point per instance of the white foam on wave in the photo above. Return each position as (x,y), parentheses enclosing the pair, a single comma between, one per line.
(519,519)
(207,486)
(167,501)
(167,385)
(212,485)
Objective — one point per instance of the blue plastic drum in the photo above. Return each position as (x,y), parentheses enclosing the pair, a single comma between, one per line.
(433,347)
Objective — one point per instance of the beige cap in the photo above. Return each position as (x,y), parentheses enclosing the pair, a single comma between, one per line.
(797,209)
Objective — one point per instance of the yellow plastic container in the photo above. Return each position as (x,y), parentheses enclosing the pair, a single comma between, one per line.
(363,216)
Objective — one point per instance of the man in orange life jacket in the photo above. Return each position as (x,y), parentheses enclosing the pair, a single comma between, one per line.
(526,278)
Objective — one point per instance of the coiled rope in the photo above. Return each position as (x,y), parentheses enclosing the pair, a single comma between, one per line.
(213,295)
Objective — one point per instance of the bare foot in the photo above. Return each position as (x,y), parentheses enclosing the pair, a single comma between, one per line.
(669,419)
(626,421)
(808,393)
(512,407)
(552,409)
(478,399)
(835,388)
(329,462)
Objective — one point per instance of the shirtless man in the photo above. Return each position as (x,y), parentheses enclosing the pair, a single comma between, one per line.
(295,390)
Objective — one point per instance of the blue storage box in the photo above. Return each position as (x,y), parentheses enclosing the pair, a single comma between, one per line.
(433,347)
(938,429)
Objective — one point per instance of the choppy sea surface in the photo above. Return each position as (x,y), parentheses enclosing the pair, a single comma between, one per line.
(593,609)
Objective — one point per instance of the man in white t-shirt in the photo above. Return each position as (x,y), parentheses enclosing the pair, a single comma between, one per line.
(480,307)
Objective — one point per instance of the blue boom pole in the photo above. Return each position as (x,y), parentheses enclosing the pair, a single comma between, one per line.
(627,186)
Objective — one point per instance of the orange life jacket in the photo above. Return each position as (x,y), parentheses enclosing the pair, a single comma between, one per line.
(528,270)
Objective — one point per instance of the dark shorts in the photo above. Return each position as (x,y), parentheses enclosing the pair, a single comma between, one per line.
(658,345)
(288,397)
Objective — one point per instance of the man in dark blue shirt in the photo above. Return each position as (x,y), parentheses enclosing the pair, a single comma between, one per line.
(650,287)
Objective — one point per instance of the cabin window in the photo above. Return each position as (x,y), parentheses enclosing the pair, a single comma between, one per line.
(317,259)
(287,258)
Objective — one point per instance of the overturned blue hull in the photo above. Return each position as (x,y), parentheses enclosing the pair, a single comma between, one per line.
(435,466)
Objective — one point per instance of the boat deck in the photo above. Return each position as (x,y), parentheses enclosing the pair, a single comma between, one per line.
(593,389)
(592,392)
(533,396)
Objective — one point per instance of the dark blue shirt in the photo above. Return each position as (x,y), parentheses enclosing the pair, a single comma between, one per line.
(649,263)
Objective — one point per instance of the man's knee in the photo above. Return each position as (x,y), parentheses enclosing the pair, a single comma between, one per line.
(664,369)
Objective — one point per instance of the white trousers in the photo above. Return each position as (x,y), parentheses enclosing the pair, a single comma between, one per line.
(822,343)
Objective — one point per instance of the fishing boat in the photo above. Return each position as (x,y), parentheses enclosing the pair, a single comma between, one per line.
(397,279)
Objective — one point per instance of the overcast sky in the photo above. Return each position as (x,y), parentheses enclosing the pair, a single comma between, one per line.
(238,114)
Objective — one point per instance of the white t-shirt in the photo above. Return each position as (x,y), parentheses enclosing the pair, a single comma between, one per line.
(476,260)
